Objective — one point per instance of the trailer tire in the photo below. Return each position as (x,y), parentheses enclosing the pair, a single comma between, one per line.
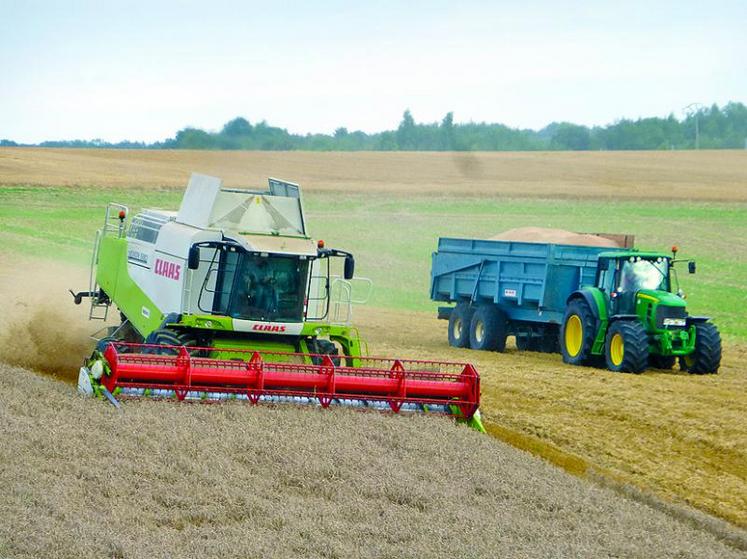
(577,333)
(626,347)
(459,325)
(665,362)
(487,330)
(706,358)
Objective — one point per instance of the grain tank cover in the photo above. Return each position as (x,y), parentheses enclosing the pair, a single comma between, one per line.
(276,211)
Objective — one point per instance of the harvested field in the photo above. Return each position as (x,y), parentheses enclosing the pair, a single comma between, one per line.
(158,479)
(682,436)
(704,175)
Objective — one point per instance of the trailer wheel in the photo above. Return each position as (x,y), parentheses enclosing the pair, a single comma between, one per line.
(662,361)
(487,329)
(577,333)
(459,323)
(706,358)
(626,347)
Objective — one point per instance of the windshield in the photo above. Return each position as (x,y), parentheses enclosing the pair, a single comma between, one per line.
(269,288)
(638,273)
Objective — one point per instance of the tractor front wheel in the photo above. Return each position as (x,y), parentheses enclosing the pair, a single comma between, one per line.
(577,333)
(459,322)
(487,329)
(706,357)
(626,347)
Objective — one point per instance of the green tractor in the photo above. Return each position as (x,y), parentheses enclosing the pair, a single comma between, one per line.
(631,318)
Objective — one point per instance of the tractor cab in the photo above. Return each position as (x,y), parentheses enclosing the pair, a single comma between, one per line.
(639,284)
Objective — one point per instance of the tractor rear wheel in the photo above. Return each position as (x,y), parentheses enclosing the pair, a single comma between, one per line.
(524,342)
(459,322)
(487,329)
(662,361)
(626,347)
(706,358)
(577,333)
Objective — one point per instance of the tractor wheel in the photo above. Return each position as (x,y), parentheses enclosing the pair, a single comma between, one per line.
(487,330)
(548,343)
(459,322)
(665,362)
(577,333)
(706,358)
(524,343)
(626,347)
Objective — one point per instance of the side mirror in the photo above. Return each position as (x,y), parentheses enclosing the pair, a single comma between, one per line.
(349,267)
(691,267)
(193,261)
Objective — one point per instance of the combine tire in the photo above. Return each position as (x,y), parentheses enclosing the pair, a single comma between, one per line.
(577,333)
(459,322)
(166,337)
(706,358)
(325,347)
(487,330)
(626,347)
(665,362)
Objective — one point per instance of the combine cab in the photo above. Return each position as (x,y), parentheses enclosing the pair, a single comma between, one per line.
(230,298)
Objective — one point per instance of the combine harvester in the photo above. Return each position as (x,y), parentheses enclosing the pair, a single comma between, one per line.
(229,298)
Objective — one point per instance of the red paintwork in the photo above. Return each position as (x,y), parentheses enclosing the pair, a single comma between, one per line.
(397,381)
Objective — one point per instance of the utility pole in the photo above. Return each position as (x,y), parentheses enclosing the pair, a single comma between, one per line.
(694,109)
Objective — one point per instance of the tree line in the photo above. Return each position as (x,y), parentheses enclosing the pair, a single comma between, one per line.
(708,128)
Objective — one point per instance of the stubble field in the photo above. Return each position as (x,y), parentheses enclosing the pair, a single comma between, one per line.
(682,438)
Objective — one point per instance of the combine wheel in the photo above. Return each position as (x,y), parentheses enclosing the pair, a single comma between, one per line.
(706,358)
(662,361)
(487,329)
(626,348)
(577,333)
(459,322)
(166,337)
(325,347)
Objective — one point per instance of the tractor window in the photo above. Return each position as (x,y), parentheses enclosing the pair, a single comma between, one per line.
(638,273)
(270,288)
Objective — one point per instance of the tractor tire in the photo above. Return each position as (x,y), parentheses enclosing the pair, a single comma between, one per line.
(487,330)
(459,322)
(549,342)
(577,333)
(706,358)
(626,347)
(524,343)
(665,362)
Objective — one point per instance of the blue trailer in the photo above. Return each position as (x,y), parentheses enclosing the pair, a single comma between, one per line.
(584,301)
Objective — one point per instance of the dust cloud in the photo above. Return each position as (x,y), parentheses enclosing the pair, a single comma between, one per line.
(40,327)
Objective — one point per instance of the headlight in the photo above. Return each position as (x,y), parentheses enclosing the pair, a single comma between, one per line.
(675,322)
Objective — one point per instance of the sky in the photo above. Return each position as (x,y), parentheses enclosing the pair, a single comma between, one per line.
(143,70)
